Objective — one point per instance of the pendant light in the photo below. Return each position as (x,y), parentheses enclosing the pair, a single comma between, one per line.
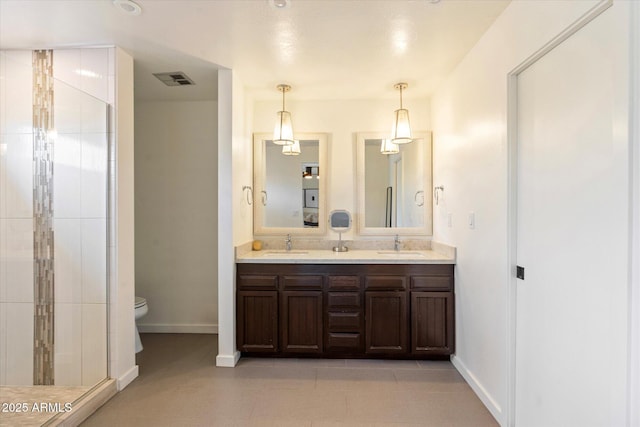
(401,133)
(291,150)
(283,131)
(388,147)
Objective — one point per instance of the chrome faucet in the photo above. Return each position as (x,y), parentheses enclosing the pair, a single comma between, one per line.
(287,242)
(396,244)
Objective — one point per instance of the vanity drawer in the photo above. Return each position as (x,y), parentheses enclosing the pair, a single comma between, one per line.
(251,281)
(302,282)
(439,283)
(343,300)
(347,322)
(344,283)
(385,282)
(342,341)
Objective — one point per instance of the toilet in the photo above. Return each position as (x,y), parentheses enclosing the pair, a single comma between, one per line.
(141,309)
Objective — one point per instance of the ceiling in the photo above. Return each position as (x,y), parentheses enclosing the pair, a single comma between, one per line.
(325,49)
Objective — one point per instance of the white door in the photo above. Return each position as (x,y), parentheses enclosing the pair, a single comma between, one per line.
(572,223)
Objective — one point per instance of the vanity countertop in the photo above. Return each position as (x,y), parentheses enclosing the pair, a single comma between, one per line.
(316,256)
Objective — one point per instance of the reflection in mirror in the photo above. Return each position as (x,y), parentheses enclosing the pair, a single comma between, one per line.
(291,187)
(392,187)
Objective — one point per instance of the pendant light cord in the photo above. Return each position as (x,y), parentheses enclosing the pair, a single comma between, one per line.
(283,91)
(401,97)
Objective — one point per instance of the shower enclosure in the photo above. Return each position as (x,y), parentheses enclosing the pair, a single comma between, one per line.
(54,157)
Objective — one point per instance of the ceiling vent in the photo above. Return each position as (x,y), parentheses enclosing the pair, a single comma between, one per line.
(174,78)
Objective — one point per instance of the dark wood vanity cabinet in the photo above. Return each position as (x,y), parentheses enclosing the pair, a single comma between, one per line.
(258,329)
(344,317)
(334,310)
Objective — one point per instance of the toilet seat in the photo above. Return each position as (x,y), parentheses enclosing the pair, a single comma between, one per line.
(140,302)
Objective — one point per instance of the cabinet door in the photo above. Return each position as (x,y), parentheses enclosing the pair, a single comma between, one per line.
(301,321)
(432,323)
(257,321)
(386,322)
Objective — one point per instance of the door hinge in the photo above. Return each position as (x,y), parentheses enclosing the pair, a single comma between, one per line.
(520,272)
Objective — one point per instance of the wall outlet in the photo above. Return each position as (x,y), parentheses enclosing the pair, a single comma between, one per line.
(472,220)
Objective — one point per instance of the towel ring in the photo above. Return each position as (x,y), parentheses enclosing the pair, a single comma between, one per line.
(248,193)
(436,193)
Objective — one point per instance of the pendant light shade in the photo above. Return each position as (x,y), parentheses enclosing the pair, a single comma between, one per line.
(283,131)
(388,147)
(291,150)
(401,132)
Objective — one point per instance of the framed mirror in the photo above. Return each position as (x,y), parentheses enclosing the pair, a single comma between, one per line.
(290,190)
(394,190)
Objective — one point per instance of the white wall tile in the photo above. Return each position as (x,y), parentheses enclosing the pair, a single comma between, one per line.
(68,260)
(67,108)
(95,70)
(112,63)
(67,65)
(67,185)
(94,261)
(3,262)
(23,58)
(94,115)
(20,337)
(68,344)
(16,176)
(3,91)
(18,256)
(111,84)
(3,343)
(3,165)
(18,92)
(94,175)
(94,343)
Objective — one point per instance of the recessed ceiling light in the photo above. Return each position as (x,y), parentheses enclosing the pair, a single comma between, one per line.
(128,6)
(279,4)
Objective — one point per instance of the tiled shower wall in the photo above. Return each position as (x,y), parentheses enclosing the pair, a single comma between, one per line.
(79,219)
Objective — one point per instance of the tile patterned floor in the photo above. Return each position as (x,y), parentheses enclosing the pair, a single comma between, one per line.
(179,385)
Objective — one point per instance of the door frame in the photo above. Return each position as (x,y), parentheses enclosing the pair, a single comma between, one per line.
(633,357)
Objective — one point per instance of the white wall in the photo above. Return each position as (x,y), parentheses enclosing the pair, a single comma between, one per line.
(176,212)
(235,170)
(634,159)
(122,360)
(470,158)
(342,119)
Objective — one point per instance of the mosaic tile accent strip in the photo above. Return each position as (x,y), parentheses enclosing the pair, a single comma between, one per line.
(43,351)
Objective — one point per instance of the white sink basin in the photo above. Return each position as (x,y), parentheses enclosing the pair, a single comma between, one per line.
(283,253)
(401,254)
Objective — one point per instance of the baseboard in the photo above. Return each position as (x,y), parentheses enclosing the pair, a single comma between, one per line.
(126,379)
(86,406)
(227,360)
(178,328)
(479,390)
